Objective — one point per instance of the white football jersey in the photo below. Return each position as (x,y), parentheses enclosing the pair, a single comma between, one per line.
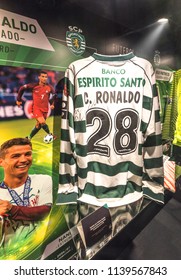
(111,150)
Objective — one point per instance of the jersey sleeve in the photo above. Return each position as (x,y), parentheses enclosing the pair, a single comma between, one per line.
(68,189)
(24,213)
(20,92)
(153,175)
(22,89)
(53,94)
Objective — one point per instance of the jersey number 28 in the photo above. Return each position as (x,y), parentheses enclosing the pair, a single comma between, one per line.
(125,132)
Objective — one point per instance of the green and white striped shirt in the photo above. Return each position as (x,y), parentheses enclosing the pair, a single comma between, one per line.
(111,150)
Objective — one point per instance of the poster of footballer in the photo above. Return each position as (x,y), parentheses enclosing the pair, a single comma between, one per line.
(29,110)
(31,225)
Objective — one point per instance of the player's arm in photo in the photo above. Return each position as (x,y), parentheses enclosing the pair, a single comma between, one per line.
(53,96)
(21,91)
(14,212)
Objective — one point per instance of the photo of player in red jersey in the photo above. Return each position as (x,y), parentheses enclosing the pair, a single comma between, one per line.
(41,92)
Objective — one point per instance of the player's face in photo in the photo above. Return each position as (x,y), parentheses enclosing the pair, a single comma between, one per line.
(43,78)
(17,160)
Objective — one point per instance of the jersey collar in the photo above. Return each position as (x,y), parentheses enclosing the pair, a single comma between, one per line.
(120,57)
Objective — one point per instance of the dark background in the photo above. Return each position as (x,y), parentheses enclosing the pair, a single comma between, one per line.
(108,25)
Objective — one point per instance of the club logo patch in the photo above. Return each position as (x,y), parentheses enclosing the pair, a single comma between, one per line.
(75,41)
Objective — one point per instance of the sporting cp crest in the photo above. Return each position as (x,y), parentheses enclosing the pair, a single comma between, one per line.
(75,42)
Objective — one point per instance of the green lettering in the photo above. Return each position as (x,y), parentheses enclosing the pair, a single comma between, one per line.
(143,82)
(127,84)
(80,82)
(89,82)
(139,81)
(84,82)
(98,82)
(113,82)
(133,82)
(122,82)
